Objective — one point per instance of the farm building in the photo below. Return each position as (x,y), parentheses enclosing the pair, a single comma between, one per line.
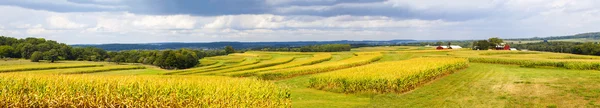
(503,46)
(446,47)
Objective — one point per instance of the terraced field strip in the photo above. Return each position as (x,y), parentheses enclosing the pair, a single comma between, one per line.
(34,90)
(105,68)
(335,57)
(248,61)
(317,58)
(274,62)
(219,64)
(232,58)
(362,58)
(18,68)
(207,62)
(102,69)
(395,76)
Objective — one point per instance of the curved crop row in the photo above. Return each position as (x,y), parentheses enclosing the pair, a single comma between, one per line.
(396,76)
(217,65)
(207,62)
(317,58)
(360,59)
(248,61)
(30,90)
(101,69)
(274,62)
(44,67)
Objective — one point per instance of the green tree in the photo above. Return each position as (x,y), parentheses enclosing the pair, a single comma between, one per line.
(482,45)
(6,51)
(36,56)
(229,49)
(52,55)
(26,49)
(495,41)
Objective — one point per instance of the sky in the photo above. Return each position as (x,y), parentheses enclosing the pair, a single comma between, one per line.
(151,21)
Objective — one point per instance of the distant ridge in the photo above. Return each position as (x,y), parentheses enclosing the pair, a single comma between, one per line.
(238,45)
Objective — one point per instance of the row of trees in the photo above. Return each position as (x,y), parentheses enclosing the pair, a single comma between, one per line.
(37,49)
(487,44)
(588,48)
(313,48)
(166,59)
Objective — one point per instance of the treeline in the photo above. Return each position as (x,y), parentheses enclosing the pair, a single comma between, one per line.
(310,48)
(166,59)
(37,49)
(465,44)
(563,47)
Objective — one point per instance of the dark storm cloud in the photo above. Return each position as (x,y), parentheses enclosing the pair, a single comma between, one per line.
(234,7)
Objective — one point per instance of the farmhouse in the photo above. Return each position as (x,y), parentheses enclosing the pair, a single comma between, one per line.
(504,46)
(446,47)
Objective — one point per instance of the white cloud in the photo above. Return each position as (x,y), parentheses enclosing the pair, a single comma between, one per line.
(246,21)
(510,18)
(267,21)
(63,23)
(166,22)
(39,30)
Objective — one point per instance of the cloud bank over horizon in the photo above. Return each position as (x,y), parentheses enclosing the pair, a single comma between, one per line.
(148,21)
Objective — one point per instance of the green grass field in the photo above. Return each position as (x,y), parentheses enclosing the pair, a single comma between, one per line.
(397,77)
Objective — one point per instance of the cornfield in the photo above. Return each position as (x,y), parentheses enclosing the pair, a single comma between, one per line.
(29,90)
(247,61)
(274,62)
(396,76)
(31,67)
(360,59)
(317,58)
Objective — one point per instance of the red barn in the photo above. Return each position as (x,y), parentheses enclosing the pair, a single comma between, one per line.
(506,47)
(439,48)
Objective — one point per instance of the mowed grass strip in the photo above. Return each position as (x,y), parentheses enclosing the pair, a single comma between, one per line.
(317,58)
(361,59)
(273,62)
(31,67)
(395,76)
(33,90)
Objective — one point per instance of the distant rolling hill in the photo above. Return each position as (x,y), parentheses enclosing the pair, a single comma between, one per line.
(237,45)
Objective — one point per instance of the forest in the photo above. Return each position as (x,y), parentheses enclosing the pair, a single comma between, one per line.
(37,49)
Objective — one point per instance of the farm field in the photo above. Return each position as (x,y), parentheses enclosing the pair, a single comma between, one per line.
(399,76)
